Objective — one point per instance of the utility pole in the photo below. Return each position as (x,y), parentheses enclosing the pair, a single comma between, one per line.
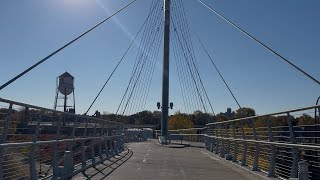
(165,73)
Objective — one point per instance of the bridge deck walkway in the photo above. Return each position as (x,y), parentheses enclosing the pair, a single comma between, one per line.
(152,161)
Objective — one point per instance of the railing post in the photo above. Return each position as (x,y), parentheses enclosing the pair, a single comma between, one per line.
(55,165)
(244,152)
(303,170)
(235,151)
(73,133)
(255,165)
(116,141)
(295,156)
(207,141)
(106,146)
(93,156)
(83,147)
(105,140)
(68,165)
(228,141)
(212,140)
(272,163)
(32,163)
(222,149)
(217,140)
(122,138)
(111,142)
(3,139)
(101,140)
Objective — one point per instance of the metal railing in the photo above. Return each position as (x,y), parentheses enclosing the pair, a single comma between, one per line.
(40,143)
(191,136)
(282,144)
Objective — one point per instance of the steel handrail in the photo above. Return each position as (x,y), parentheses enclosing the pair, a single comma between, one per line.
(54,111)
(264,115)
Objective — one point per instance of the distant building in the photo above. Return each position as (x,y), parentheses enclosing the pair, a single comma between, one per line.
(228,113)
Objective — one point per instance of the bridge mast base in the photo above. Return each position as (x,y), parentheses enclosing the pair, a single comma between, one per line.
(163,140)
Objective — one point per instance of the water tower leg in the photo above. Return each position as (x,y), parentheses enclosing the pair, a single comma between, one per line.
(65,101)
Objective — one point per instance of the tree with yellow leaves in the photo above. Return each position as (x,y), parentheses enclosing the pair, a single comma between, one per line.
(180,121)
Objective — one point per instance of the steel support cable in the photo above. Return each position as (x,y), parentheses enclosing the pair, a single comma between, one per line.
(194,80)
(261,43)
(187,25)
(187,56)
(184,89)
(129,85)
(190,86)
(186,104)
(190,70)
(135,67)
(125,53)
(143,83)
(151,78)
(215,66)
(132,90)
(218,70)
(152,70)
(61,48)
(134,86)
(183,70)
(183,29)
(140,89)
(140,54)
(144,56)
(144,37)
(193,59)
(188,41)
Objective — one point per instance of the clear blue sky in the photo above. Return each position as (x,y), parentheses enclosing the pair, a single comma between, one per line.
(31,29)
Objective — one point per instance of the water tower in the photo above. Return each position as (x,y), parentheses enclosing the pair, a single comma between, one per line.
(65,89)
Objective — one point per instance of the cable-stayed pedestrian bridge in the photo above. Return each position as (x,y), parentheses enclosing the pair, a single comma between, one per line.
(42,143)
(39,143)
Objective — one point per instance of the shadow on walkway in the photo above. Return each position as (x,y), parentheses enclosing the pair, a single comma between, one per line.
(101,171)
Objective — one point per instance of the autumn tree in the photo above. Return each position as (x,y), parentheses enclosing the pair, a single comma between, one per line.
(180,121)
(244,112)
(221,117)
(305,119)
(201,119)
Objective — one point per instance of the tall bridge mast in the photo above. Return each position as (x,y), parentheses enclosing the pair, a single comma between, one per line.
(165,73)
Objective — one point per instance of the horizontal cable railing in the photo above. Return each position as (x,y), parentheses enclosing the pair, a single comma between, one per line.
(40,143)
(282,144)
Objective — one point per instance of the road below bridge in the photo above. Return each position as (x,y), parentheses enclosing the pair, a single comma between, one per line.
(150,160)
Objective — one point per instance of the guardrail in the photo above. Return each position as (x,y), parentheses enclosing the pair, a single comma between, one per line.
(40,143)
(274,143)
